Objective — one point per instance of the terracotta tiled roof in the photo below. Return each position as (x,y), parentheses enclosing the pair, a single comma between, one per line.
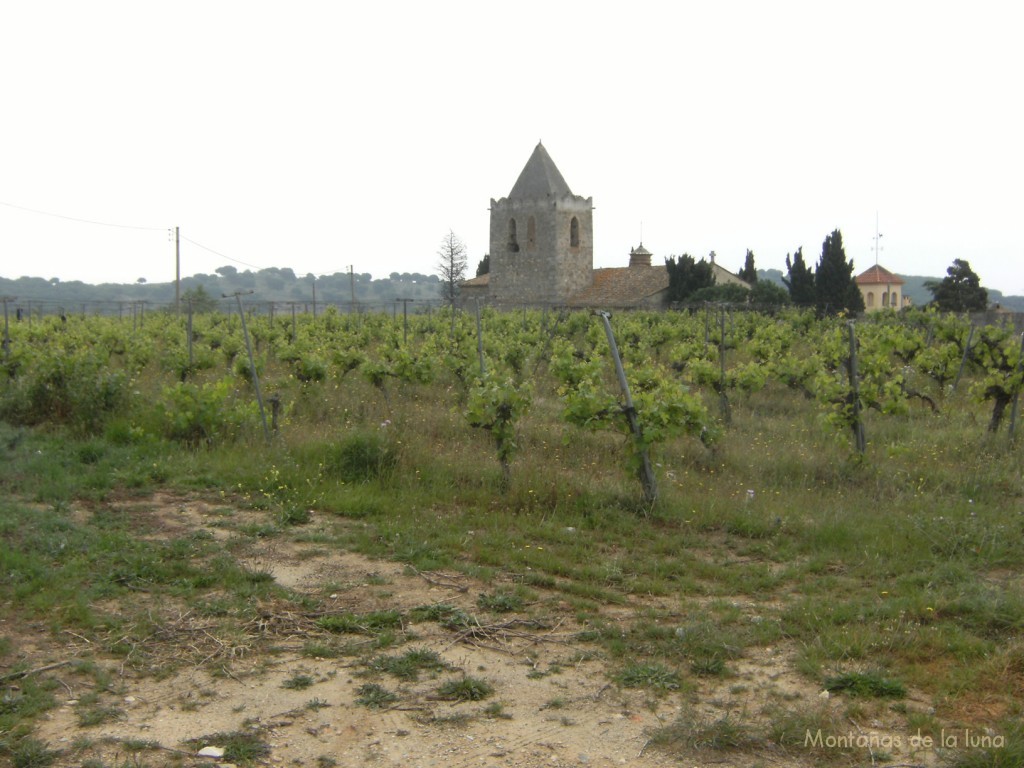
(622,287)
(877,275)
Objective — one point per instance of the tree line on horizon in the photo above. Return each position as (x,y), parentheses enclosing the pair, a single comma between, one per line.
(829,287)
(278,285)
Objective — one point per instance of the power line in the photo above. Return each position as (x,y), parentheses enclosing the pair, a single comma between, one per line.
(81,221)
(218,253)
(126,226)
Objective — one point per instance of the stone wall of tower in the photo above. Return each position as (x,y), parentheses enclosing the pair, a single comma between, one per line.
(547,269)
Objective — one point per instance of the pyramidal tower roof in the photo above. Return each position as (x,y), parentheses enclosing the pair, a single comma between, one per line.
(540,178)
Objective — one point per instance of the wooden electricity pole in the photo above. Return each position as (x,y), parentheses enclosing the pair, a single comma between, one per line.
(7,335)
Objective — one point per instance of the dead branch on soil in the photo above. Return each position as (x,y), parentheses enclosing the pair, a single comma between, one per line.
(187,639)
(434,580)
(26,672)
(508,632)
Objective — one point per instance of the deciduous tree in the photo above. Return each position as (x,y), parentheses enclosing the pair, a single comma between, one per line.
(451,266)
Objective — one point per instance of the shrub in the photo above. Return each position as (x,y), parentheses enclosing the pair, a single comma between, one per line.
(203,414)
(361,457)
(77,390)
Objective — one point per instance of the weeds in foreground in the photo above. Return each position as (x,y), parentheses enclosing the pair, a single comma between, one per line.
(240,747)
(298,682)
(465,689)
(866,684)
(408,665)
(653,676)
(729,732)
(375,696)
(29,753)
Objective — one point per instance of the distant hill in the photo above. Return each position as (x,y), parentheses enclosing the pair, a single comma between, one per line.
(267,286)
(914,287)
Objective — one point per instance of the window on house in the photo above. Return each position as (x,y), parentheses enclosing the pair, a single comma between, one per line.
(870,299)
(513,243)
(574,233)
(531,233)
(885,299)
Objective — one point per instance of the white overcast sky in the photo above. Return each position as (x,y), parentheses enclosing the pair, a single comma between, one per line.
(318,135)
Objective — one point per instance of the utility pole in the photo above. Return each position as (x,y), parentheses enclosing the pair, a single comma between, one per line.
(314,297)
(405,318)
(7,335)
(352,285)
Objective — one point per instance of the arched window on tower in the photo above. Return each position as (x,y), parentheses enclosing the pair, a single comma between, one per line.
(870,299)
(513,243)
(574,233)
(531,234)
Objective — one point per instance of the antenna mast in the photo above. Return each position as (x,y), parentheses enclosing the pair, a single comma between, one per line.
(878,239)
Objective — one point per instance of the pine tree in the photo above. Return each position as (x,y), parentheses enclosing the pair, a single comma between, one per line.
(835,289)
(686,276)
(959,291)
(800,281)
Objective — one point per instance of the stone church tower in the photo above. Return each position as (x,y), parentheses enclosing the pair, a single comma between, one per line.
(542,238)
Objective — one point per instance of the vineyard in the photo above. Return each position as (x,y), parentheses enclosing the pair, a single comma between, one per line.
(678,494)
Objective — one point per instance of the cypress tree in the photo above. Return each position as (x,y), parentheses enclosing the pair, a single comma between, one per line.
(835,289)
(749,271)
(800,281)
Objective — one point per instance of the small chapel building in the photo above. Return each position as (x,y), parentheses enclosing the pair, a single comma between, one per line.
(881,289)
(542,252)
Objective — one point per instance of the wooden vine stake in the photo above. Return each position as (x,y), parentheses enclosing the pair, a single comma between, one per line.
(647,479)
(856,423)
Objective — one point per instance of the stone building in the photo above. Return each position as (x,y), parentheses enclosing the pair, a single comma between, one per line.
(542,252)
(881,289)
(542,241)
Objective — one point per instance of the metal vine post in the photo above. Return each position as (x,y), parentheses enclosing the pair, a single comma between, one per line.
(252,362)
(1016,395)
(858,425)
(647,479)
(480,341)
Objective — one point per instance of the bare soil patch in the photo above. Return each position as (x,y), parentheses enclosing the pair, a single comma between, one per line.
(552,704)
